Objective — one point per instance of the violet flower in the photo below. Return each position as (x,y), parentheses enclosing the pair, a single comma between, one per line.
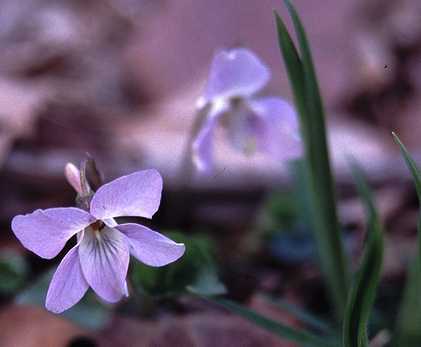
(264,124)
(100,259)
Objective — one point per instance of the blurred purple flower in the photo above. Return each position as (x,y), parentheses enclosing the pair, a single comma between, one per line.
(100,259)
(264,124)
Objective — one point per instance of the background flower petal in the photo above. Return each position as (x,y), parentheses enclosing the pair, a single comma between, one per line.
(137,194)
(237,72)
(104,257)
(150,247)
(245,128)
(68,285)
(45,232)
(279,134)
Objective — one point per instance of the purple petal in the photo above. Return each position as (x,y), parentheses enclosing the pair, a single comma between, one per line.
(45,232)
(104,257)
(137,194)
(72,174)
(238,72)
(279,133)
(150,247)
(245,128)
(202,145)
(68,285)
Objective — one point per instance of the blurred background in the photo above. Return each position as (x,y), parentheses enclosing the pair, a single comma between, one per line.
(119,79)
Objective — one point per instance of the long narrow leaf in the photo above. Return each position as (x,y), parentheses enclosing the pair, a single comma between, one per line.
(303,316)
(409,319)
(363,291)
(412,166)
(301,337)
(315,100)
(408,324)
(319,159)
(293,65)
(323,205)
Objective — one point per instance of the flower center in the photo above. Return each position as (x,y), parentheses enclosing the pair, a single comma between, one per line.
(97,225)
(240,122)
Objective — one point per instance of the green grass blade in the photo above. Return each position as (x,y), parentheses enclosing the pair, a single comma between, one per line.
(309,105)
(412,166)
(363,291)
(312,87)
(320,161)
(303,316)
(294,67)
(416,175)
(408,324)
(408,329)
(300,337)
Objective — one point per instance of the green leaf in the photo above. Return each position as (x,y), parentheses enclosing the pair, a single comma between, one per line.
(408,329)
(412,166)
(88,313)
(308,102)
(300,337)
(408,323)
(302,315)
(363,291)
(207,283)
(13,271)
(294,70)
(195,270)
(314,100)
